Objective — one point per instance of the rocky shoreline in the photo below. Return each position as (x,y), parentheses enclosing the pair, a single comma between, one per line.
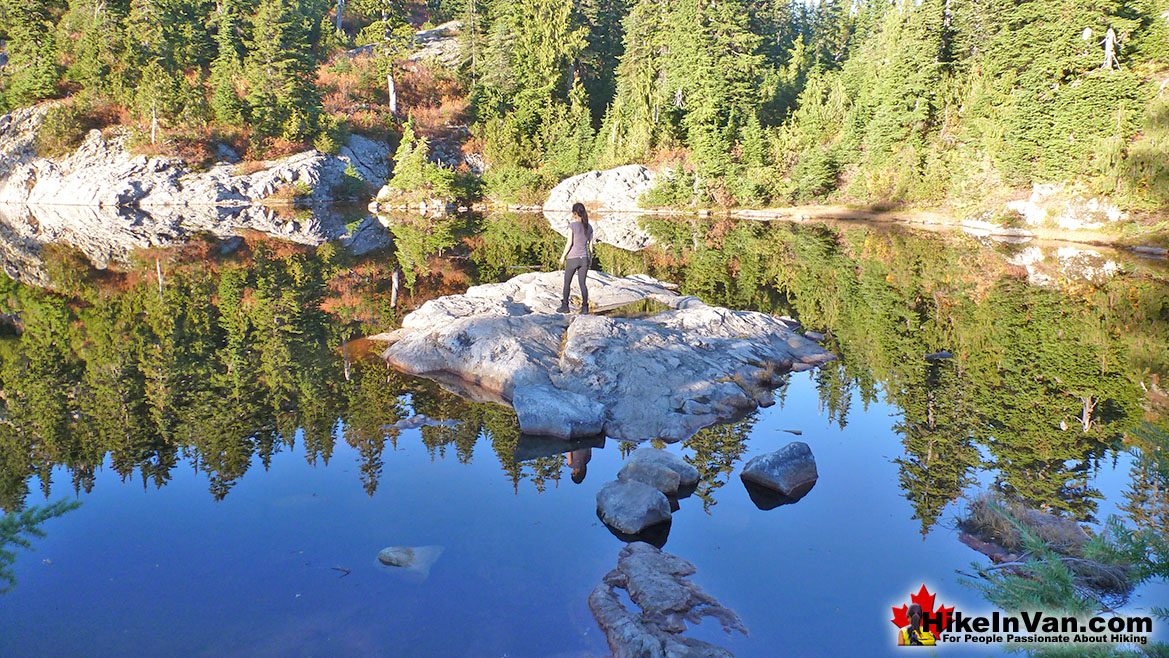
(104,172)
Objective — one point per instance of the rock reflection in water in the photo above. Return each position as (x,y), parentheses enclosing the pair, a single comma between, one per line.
(109,235)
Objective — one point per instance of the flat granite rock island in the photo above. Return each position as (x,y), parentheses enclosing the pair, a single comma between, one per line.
(665,375)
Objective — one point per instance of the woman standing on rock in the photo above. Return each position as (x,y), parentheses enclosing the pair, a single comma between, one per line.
(576,251)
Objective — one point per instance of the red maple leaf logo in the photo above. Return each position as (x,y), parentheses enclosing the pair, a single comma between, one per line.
(926,601)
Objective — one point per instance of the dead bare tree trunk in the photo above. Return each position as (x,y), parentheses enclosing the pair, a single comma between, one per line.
(393,94)
(1109,51)
(1086,414)
(340,9)
(394,286)
(345,356)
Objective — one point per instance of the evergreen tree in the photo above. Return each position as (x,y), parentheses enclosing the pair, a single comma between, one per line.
(228,64)
(32,71)
(282,99)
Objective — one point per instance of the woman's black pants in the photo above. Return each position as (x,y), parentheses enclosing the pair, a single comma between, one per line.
(579,266)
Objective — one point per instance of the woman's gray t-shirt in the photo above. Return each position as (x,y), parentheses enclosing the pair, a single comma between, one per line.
(581,237)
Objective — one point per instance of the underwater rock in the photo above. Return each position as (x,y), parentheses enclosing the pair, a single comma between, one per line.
(420,420)
(939,356)
(658,584)
(631,506)
(662,376)
(791,470)
(413,560)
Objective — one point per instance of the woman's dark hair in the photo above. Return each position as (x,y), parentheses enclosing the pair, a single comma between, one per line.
(578,209)
(578,474)
(914,614)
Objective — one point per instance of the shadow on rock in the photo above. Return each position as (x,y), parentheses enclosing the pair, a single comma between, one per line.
(655,535)
(766,499)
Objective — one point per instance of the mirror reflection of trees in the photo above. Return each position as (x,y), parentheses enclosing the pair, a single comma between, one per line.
(234,356)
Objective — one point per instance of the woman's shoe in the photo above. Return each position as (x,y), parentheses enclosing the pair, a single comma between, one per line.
(563,308)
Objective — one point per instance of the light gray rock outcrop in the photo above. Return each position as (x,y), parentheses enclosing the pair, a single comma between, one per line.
(508,339)
(658,584)
(631,507)
(439,44)
(1053,204)
(103,172)
(791,470)
(609,190)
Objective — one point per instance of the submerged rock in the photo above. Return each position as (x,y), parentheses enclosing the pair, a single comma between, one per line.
(939,356)
(663,376)
(791,470)
(658,584)
(413,560)
(631,506)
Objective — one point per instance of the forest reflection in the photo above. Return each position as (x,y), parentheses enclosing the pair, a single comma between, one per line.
(229,356)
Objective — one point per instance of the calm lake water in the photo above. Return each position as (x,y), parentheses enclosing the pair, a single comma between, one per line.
(228,438)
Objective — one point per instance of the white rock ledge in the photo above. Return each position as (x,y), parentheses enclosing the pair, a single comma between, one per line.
(663,376)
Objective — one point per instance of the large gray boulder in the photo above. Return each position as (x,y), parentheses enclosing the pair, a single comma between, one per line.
(610,190)
(663,376)
(631,507)
(104,172)
(658,584)
(656,476)
(791,470)
(612,198)
(687,474)
(661,469)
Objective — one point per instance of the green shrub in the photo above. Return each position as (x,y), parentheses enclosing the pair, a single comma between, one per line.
(675,189)
(351,186)
(513,185)
(814,175)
